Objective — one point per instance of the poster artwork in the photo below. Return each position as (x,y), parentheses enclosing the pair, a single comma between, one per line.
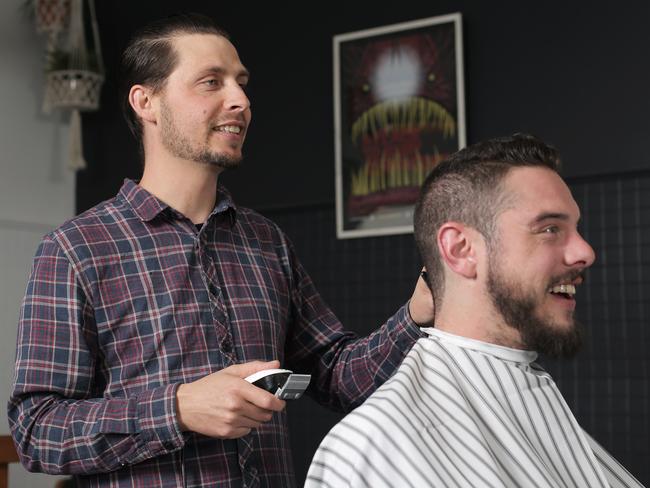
(399,110)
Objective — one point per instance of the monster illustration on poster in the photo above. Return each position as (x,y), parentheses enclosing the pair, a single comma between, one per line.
(399,111)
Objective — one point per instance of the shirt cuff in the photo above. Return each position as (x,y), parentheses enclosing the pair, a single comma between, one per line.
(157,420)
(407,330)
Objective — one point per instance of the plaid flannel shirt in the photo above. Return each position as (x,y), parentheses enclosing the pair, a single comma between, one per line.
(129,300)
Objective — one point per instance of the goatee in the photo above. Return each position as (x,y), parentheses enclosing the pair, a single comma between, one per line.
(183,148)
(537,333)
(218,160)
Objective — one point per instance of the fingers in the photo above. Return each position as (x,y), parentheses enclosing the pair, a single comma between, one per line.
(421,305)
(253,394)
(234,434)
(246,369)
(262,399)
(251,415)
(244,415)
(424,276)
(243,410)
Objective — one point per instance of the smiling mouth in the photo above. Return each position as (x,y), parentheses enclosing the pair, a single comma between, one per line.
(231,129)
(566,291)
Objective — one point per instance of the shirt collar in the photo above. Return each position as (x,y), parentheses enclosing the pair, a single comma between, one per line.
(144,204)
(502,352)
(225,205)
(147,207)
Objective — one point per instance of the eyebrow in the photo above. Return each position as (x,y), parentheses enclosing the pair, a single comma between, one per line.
(218,70)
(550,216)
(543,217)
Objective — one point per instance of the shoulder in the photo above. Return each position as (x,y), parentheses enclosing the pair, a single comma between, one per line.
(349,454)
(385,440)
(94,227)
(371,446)
(401,407)
(107,211)
(389,418)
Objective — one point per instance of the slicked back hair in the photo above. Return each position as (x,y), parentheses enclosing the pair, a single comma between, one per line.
(468,188)
(150,58)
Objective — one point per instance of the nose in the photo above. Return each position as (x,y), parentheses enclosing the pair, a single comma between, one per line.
(579,252)
(236,99)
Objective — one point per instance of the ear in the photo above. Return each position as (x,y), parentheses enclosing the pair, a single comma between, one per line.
(142,102)
(456,244)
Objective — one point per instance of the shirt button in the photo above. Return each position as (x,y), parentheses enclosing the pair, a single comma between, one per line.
(226,345)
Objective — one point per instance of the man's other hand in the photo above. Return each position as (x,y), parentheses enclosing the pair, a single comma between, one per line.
(421,306)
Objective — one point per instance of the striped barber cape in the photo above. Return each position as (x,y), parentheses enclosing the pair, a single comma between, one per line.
(464,413)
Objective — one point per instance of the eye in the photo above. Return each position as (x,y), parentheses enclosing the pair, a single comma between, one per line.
(211,82)
(551,229)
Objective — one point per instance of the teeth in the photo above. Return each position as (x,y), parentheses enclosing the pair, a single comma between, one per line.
(568,289)
(229,128)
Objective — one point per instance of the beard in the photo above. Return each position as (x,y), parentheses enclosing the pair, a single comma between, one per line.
(181,147)
(519,311)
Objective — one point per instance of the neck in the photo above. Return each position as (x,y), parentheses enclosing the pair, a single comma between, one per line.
(469,313)
(186,186)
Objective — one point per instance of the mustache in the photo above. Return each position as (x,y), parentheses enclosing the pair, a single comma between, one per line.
(570,277)
(239,118)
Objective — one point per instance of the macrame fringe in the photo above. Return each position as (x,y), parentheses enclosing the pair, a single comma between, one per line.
(76,159)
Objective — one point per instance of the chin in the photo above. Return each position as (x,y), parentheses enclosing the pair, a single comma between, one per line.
(562,324)
(559,340)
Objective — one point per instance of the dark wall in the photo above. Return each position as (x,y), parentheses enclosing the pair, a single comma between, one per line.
(577,76)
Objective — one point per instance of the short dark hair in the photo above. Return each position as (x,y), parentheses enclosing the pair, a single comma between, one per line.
(467,188)
(149,58)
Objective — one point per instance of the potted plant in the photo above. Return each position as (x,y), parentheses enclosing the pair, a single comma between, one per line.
(74,74)
(50,16)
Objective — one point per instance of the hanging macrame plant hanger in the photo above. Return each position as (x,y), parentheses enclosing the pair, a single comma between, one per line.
(76,79)
(51,16)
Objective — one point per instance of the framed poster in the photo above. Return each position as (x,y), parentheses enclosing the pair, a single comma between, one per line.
(399,109)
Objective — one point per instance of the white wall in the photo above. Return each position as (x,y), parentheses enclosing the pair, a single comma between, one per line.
(36,189)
